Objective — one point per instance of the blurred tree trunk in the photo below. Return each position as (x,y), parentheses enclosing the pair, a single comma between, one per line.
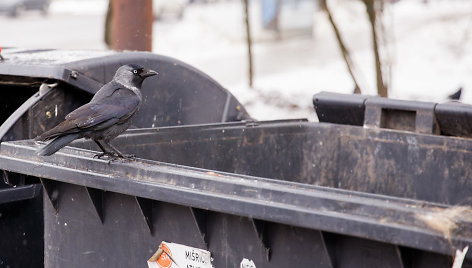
(345,52)
(249,41)
(372,11)
(107,37)
(128,25)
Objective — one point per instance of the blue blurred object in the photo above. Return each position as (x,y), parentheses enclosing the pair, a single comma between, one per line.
(270,14)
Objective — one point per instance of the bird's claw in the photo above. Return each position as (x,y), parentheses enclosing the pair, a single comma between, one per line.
(129,156)
(112,156)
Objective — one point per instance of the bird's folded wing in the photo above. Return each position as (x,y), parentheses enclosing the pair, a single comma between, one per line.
(94,116)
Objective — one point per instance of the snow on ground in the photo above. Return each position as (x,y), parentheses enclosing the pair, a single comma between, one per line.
(79,7)
(429,48)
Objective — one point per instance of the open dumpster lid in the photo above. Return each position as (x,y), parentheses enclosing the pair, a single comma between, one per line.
(180,95)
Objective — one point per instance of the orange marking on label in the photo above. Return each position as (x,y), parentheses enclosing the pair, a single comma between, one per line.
(164,261)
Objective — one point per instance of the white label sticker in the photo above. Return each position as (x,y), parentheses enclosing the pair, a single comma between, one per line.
(245,263)
(172,255)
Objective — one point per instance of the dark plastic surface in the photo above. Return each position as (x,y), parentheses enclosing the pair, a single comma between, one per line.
(21,227)
(291,219)
(181,95)
(450,118)
(455,119)
(340,108)
(390,162)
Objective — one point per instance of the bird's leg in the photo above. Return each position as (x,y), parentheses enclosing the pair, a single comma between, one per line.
(105,151)
(118,153)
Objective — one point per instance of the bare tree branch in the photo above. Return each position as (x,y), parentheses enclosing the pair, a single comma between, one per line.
(344,50)
(372,12)
(249,42)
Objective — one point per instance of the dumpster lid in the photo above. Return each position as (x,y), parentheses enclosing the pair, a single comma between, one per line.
(195,96)
(50,64)
(450,118)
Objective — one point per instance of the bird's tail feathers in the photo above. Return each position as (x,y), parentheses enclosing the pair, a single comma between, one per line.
(47,135)
(56,144)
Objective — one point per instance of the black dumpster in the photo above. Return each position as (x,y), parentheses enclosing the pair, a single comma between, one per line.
(39,87)
(386,185)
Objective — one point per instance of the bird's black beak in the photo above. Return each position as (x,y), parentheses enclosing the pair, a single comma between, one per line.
(147,73)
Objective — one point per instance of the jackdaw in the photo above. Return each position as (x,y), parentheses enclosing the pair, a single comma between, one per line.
(106,116)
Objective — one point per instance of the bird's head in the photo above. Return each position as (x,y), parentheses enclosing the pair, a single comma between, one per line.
(133,74)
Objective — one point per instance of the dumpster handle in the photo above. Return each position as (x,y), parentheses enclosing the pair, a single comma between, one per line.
(19,193)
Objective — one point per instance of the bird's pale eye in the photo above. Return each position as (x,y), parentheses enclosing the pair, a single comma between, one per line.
(135,71)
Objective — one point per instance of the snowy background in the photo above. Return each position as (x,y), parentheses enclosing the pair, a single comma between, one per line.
(429,49)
